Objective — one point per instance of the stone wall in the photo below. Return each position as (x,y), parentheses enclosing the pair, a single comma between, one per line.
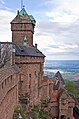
(31,74)
(46,88)
(20,30)
(18,37)
(8,92)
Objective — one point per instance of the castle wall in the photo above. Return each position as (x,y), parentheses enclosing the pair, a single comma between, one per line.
(66,104)
(46,88)
(31,74)
(8,94)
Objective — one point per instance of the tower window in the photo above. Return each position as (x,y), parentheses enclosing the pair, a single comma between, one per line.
(30,75)
(35,74)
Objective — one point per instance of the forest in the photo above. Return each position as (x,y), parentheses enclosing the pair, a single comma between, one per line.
(73,88)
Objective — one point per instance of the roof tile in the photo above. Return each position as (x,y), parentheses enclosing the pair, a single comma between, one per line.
(28,51)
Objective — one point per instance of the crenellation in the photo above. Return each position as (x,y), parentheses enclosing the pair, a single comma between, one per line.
(28,60)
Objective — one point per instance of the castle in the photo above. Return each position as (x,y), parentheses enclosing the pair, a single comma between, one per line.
(22,72)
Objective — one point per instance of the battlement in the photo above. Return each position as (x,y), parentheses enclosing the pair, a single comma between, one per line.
(9,79)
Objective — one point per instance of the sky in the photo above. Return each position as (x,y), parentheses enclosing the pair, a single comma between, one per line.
(57,25)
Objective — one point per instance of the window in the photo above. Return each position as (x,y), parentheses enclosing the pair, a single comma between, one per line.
(36,74)
(29,80)
(2,85)
(30,75)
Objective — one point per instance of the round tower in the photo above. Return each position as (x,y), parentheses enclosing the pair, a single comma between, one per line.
(23,26)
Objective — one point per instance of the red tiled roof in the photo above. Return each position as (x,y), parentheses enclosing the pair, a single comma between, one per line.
(47,80)
(71,100)
(57,94)
(54,96)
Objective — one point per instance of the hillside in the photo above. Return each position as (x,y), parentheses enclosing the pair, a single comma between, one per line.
(73,88)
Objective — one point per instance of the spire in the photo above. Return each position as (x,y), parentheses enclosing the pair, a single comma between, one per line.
(25,40)
(59,81)
(23,12)
(59,77)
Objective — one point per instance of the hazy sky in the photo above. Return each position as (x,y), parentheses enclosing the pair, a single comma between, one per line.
(57,27)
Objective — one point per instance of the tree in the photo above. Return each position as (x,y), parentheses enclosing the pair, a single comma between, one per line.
(17,111)
(38,113)
(5,54)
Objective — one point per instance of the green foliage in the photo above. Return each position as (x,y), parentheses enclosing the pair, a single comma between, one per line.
(17,111)
(35,109)
(44,102)
(39,113)
(73,88)
(70,86)
(43,114)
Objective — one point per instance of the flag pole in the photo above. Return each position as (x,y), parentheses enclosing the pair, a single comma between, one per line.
(21,4)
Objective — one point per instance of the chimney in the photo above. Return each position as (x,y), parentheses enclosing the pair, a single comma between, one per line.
(36,46)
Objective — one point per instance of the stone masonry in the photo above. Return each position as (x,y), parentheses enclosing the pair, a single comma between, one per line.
(8,91)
